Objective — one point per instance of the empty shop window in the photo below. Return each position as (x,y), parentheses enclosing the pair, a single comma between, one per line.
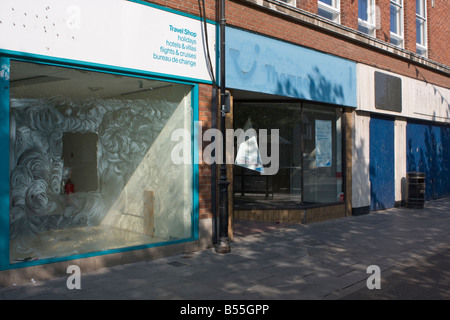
(90,162)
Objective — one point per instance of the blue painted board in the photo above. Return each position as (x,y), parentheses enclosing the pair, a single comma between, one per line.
(428,151)
(382,163)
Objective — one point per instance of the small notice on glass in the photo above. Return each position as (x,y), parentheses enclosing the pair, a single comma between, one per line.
(323,143)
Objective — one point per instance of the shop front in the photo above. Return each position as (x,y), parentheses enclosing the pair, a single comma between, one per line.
(90,165)
(88,133)
(303,97)
(401,127)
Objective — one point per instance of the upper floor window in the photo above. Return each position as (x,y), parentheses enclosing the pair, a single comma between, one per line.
(366,17)
(290,2)
(329,9)
(421,27)
(397,22)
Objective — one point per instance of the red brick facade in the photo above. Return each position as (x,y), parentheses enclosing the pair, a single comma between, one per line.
(349,14)
(439,31)
(205,97)
(383,8)
(438,12)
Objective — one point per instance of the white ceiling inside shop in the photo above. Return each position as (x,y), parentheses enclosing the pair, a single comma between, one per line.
(31,80)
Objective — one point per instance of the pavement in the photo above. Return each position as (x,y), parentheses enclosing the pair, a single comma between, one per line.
(286,262)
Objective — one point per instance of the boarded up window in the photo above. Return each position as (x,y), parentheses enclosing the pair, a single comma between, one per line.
(388,92)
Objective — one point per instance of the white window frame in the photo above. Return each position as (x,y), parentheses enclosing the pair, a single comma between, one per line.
(334,9)
(398,36)
(289,2)
(370,23)
(422,46)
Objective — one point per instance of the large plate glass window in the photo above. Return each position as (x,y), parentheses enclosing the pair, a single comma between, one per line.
(396,19)
(309,155)
(421,27)
(90,166)
(329,9)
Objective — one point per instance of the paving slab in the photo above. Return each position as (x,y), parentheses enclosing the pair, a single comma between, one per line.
(285,262)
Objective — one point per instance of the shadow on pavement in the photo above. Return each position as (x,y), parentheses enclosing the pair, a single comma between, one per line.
(428,280)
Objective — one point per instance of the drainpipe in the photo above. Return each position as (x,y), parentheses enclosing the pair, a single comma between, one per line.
(223,245)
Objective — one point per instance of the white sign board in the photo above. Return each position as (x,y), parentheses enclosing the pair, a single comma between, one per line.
(109,32)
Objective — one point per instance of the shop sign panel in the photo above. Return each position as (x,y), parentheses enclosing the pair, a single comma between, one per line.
(117,33)
(261,64)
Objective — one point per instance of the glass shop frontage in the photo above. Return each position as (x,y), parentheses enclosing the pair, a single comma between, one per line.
(310,155)
(303,97)
(87,113)
(90,167)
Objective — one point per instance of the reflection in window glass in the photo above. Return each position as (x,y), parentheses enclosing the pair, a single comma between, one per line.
(328,2)
(322,155)
(421,27)
(366,17)
(310,161)
(90,162)
(326,14)
(362,9)
(396,21)
(420,7)
(329,9)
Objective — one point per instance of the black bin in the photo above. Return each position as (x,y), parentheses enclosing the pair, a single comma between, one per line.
(415,190)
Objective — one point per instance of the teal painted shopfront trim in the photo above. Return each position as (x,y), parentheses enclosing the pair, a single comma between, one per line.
(91,66)
(5,59)
(4,158)
(195,159)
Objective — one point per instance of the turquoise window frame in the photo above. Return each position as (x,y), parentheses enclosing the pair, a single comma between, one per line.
(6,57)
(4,158)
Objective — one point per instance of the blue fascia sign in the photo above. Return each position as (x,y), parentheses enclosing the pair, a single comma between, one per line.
(261,64)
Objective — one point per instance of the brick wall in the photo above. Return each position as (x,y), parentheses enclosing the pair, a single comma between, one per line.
(205,98)
(383,16)
(409,8)
(307,5)
(439,31)
(349,13)
(189,6)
